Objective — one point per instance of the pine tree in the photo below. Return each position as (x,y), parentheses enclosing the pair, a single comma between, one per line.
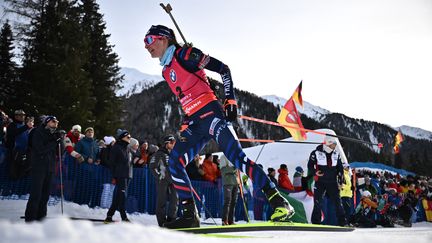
(8,76)
(54,56)
(103,70)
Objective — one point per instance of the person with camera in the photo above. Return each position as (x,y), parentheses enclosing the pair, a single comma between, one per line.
(44,142)
(164,183)
(17,134)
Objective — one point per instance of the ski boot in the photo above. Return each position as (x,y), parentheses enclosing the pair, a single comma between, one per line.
(108,220)
(189,219)
(283,211)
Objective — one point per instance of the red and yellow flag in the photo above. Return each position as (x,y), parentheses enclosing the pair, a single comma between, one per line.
(297,97)
(290,118)
(398,140)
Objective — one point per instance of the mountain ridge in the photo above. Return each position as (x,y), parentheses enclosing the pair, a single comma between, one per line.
(155,112)
(135,81)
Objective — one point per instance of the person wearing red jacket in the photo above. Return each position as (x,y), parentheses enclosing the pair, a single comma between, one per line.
(211,171)
(283,178)
(72,138)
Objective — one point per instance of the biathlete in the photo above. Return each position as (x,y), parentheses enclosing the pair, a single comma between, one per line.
(205,119)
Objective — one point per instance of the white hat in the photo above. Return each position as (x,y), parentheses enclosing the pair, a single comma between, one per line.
(108,140)
(76,127)
(330,140)
(133,142)
(366,193)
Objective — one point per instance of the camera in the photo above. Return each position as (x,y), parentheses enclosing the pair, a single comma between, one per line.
(60,134)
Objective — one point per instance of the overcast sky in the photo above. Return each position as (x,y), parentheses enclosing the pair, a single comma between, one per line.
(369,59)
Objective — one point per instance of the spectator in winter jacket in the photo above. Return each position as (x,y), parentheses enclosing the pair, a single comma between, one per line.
(325,165)
(134,149)
(283,178)
(120,159)
(71,139)
(17,135)
(43,150)
(144,153)
(105,152)
(164,183)
(297,179)
(211,171)
(365,212)
(427,200)
(230,190)
(368,186)
(346,192)
(17,128)
(272,175)
(194,169)
(4,122)
(88,147)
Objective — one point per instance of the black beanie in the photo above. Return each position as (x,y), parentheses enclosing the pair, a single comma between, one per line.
(161,30)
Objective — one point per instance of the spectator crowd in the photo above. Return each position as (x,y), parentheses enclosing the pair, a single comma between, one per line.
(367,198)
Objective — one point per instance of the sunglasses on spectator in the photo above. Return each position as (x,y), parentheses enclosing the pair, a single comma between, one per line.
(150,39)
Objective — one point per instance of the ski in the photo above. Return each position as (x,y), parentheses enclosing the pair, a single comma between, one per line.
(87,219)
(266,226)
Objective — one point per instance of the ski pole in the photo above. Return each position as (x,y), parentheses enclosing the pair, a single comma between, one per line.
(242,196)
(61,177)
(168,9)
(202,203)
(380,145)
(259,154)
(274,141)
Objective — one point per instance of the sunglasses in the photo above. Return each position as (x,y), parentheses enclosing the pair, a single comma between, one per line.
(150,39)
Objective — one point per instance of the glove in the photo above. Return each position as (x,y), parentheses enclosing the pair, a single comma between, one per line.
(230,107)
(185,123)
(80,158)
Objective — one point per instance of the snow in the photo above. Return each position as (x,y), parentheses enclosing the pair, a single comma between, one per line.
(58,228)
(318,114)
(314,112)
(291,154)
(135,81)
(415,132)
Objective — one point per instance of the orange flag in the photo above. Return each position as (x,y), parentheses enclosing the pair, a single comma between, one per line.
(289,116)
(297,97)
(398,140)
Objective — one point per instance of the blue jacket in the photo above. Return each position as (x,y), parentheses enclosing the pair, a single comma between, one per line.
(88,148)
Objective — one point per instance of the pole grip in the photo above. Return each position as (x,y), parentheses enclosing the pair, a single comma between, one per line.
(167,8)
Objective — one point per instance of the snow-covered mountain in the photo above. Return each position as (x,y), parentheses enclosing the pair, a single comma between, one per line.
(318,114)
(314,112)
(415,132)
(135,81)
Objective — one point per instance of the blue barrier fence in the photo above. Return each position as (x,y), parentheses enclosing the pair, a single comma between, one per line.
(90,184)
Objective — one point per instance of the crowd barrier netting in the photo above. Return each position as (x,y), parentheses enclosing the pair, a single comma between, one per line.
(89,184)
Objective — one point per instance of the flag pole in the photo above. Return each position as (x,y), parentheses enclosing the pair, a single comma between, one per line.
(380,145)
(274,141)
